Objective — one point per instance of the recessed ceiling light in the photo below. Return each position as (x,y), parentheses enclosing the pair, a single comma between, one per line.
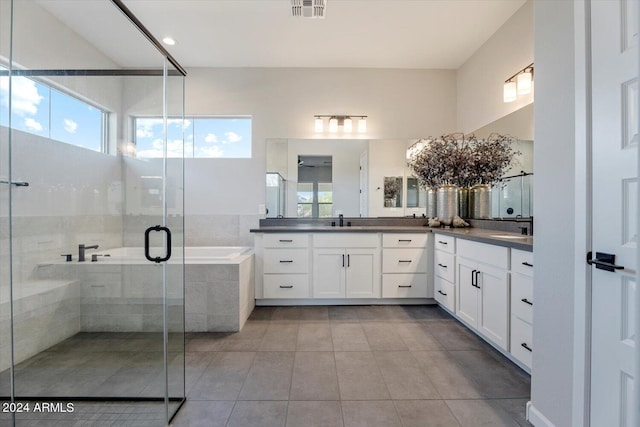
(168,41)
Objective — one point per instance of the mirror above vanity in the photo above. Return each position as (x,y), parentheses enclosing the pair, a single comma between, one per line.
(370,178)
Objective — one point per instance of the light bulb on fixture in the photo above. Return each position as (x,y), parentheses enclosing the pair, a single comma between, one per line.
(347,125)
(510,92)
(362,125)
(319,126)
(524,82)
(333,125)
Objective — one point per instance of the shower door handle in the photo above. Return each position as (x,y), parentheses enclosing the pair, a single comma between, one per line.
(168,243)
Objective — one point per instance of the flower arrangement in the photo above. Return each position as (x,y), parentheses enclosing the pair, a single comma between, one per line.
(461,160)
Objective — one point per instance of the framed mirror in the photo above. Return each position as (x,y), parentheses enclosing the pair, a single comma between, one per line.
(392,191)
(416,195)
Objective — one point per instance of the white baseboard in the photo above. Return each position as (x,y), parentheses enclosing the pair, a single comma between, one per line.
(536,417)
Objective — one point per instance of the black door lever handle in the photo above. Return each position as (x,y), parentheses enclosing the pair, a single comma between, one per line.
(604,261)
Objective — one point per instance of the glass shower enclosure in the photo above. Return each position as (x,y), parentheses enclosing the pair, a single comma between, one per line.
(91,225)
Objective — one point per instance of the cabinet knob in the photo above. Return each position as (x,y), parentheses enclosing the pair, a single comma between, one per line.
(526,301)
(524,344)
(442,265)
(441,293)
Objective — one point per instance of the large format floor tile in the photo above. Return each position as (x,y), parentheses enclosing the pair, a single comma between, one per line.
(292,366)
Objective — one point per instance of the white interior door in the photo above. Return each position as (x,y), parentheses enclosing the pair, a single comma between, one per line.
(615,208)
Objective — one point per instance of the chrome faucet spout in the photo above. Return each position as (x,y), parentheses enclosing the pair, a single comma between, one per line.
(82,248)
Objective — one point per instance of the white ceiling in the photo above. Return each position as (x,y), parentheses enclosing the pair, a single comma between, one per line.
(262,33)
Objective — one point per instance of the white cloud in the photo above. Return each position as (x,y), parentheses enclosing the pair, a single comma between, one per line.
(25,96)
(70,126)
(174,149)
(32,125)
(214,151)
(144,127)
(144,133)
(231,137)
(211,138)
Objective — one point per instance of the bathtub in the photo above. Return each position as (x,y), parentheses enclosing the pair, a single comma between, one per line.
(192,254)
(120,291)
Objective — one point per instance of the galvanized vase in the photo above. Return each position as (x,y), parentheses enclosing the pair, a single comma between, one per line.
(431,203)
(447,203)
(463,202)
(480,201)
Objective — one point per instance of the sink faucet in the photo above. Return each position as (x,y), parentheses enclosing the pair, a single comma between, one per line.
(81,249)
(341,217)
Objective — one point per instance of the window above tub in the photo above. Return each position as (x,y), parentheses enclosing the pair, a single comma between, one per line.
(204,137)
(44,109)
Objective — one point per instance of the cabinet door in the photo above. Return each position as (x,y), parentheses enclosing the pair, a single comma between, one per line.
(494,302)
(363,273)
(467,293)
(328,273)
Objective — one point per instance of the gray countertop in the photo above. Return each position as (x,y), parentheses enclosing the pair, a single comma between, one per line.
(494,237)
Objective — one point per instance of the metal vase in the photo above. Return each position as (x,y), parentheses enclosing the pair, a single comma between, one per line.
(431,203)
(463,202)
(447,203)
(480,201)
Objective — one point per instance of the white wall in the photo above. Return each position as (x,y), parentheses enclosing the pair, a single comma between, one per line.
(481,78)
(400,104)
(560,226)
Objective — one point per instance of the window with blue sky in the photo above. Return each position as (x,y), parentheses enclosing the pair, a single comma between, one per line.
(221,137)
(39,109)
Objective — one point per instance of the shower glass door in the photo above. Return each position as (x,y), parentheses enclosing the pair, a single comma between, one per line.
(91,218)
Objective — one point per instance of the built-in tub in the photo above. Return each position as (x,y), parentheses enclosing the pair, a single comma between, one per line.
(192,255)
(122,290)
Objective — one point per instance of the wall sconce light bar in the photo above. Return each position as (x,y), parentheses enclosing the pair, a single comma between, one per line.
(520,83)
(346,122)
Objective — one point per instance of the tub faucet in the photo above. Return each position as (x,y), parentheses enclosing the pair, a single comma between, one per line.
(81,249)
(341,218)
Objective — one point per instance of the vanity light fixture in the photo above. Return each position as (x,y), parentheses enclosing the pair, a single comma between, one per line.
(520,83)
(335,122)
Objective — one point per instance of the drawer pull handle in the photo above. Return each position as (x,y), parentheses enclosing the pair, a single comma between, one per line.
(286,240)
(527,264)
(404,260)
(404,286)
(441,242)
(404,240)
(524,344)
(441,293)
(526,301)
(286,260)
(286,286)
(442,265)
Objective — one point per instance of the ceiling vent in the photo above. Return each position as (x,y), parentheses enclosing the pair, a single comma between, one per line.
(308,8)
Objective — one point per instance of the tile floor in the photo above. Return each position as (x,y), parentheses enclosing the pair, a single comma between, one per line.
(350,366)
(292,366)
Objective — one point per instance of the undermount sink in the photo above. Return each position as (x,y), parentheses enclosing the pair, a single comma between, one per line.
(510,236)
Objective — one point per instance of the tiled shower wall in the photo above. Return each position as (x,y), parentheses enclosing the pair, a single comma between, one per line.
(199,230)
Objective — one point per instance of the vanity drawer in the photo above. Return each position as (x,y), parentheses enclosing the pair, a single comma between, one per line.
(445,243)
(286,286)
(522,297)
(404,286)
(445,293)
(404,240)
(285,240)
(485,253)
(404,261)
(444,265)
(348,239)
(521,336)
(522,262)
(286,261)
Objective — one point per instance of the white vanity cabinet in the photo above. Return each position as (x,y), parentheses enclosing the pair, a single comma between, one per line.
(522,306)
(285,265)
(444,268)
(405,265)
(346,265)
(483,289)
